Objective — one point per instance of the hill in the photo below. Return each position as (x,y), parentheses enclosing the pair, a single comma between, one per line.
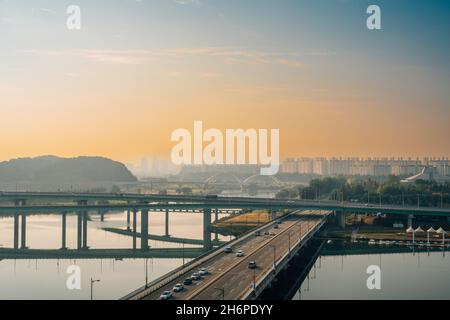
(56,170)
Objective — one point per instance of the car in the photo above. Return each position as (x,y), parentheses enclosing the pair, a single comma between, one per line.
(166,295)
(272,234)
(252,265)
(178,287)
(276,226)
(257,233)
(187,281)
(195,276)
(240,253)
(203,271)
(228,250)
(266,233)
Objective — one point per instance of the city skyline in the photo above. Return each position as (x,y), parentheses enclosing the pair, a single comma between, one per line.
(138,70)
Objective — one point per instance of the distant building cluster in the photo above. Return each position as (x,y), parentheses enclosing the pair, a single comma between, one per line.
(365,167)
(152,167)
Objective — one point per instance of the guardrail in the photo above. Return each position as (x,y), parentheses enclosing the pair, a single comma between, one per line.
(167,278)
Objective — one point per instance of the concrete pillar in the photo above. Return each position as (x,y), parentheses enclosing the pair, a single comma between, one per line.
(144,229)
(167,222)
(85,229)
(207,229)
(16,230)
(64,230)
(216,215)
(128,220)
(340,219)
(134,229)
(79,230)
(24,231)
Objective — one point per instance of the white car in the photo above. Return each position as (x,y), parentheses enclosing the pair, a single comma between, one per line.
(203,271)
(166,295)
(240,253)
(195,276)
(178,287)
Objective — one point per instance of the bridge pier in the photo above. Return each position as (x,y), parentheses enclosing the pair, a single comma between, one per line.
(64,230)
(134,229)
(16,230)
(167,223)
(85,229)
(144,229)
(79,230)
(128,220)
(82,226)
(24,230)
(207,244)
(340,219)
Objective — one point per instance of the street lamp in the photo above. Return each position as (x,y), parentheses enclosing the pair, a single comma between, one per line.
(146,273)
(274,255)
(289,241)
(92,287)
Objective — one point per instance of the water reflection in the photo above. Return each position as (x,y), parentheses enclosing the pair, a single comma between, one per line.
(110,259)
(418,274)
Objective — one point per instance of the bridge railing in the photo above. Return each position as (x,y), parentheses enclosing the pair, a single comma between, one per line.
(166,279)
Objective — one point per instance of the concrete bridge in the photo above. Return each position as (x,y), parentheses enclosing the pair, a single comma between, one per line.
(271,246)
(22,204)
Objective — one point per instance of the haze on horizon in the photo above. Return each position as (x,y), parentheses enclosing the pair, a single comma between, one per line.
(139,69)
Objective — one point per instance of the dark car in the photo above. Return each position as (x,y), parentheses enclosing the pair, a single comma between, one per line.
(252,265)
(187,282)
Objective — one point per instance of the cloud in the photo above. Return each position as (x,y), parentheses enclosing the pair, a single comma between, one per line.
(188,2)
(135,57)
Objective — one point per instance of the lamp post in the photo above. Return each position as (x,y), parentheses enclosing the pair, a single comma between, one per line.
(274,255)
(92,287)
(289,241)
(254,279)
(146,273)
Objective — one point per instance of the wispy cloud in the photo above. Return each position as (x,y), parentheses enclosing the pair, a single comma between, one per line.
(188,2)
(135,57)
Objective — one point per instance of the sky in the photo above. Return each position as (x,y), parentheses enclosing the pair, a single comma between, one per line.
(138,70)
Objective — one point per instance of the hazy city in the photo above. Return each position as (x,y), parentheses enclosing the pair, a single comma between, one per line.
(210,151)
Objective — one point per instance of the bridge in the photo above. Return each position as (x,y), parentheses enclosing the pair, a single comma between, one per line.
(22,204)
(271,246)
